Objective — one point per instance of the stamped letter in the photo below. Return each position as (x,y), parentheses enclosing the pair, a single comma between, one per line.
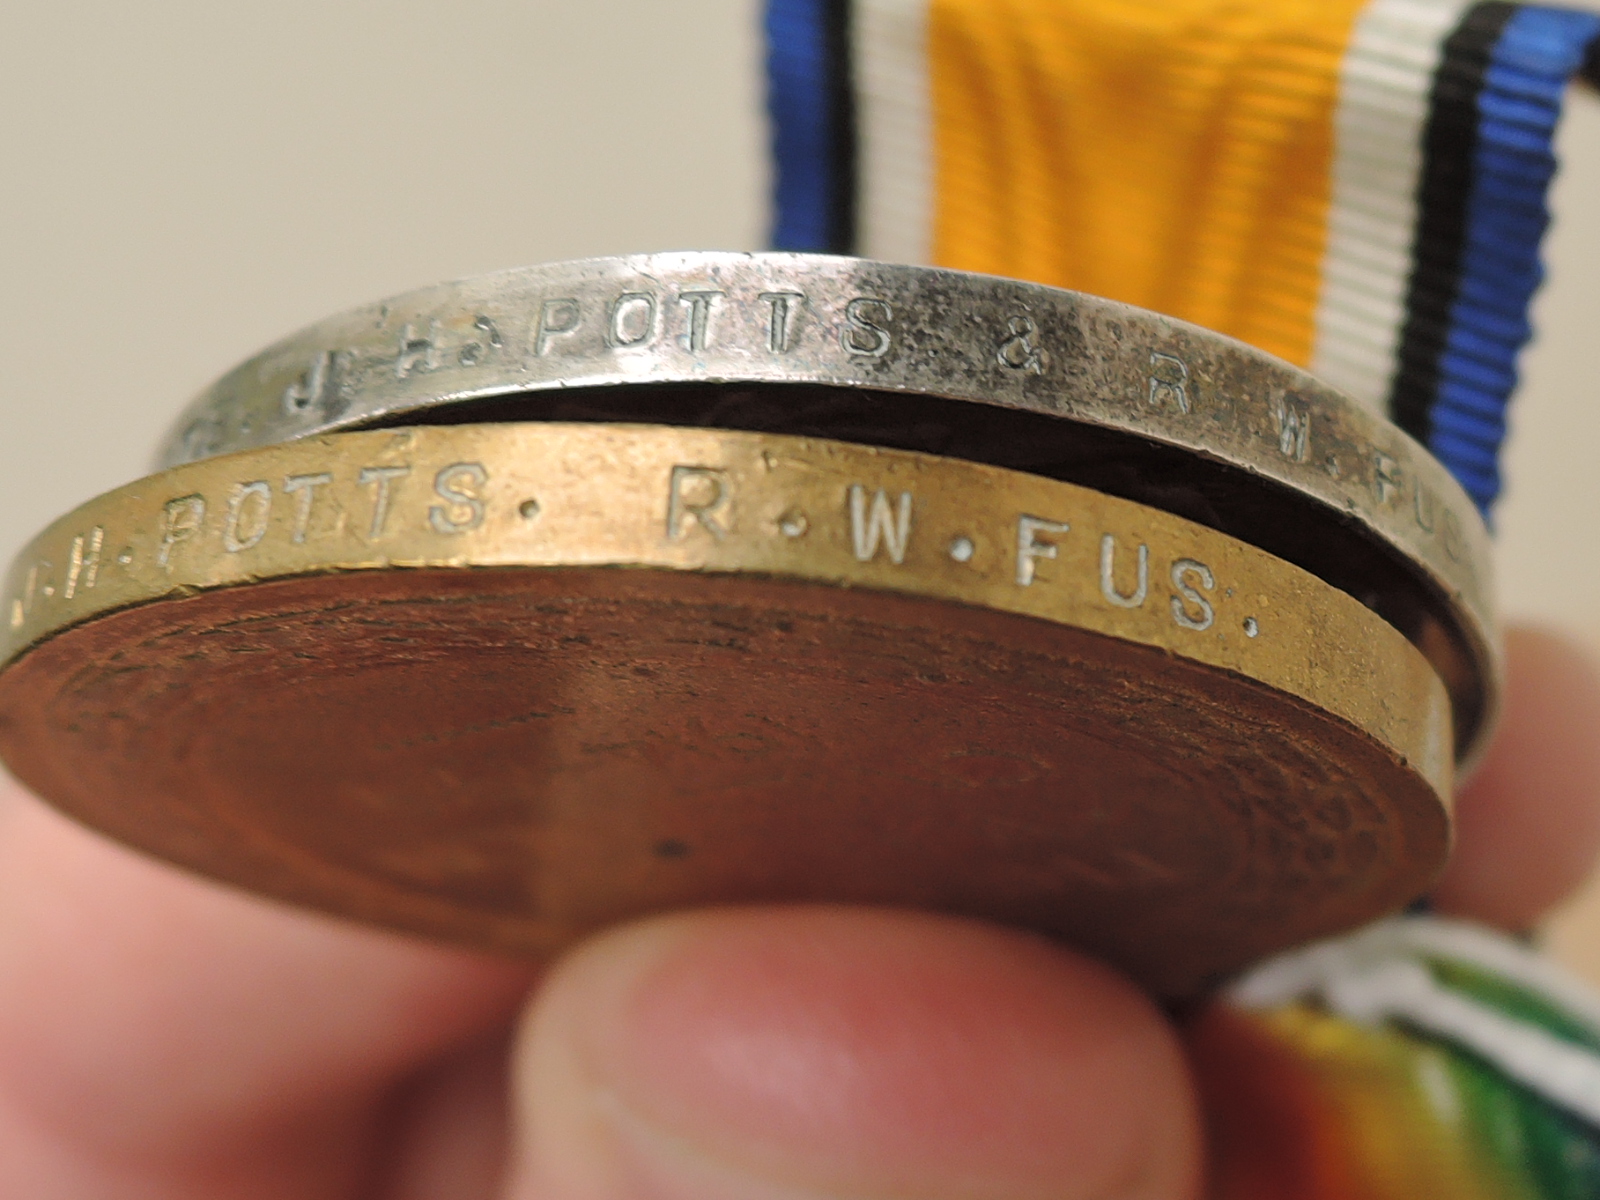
(1017,350)
(304,488)
(22,605)
(1455,544)
(83,563)
(556,317)
(701,493)
(418,352)
(1169,381)
(383,481)
(865,332)
(488,340)
(870,522)
(249,506)
(780,306)
(1108,574)
(180,520)
(1294,430)
(1031,548)
(203,437)
(633,319)
(699,305)
(1422,508)
(1182,612)
(458,484)
(1388,481)
(310,389)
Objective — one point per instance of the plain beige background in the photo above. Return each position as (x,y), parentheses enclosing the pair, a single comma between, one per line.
(184,181)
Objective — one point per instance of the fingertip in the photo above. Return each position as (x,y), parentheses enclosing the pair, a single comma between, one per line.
(117,970)
(826,1051)
(1528,823)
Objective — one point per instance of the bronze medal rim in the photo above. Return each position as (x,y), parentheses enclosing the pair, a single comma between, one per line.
(616,534)
(556,495)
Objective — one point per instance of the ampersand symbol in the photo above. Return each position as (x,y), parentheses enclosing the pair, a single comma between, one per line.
(1018,351)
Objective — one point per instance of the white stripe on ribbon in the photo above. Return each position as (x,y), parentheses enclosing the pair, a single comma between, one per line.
(1384,86)
(1566,1074)
(894,128)
(1379,974)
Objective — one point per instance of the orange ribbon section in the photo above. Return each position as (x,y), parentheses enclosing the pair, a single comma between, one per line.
(1174,154)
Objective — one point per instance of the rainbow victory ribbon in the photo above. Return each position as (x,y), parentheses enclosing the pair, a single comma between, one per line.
(1359,187)
(1418,1058)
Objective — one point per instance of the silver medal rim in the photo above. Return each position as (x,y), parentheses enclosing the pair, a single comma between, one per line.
(709,317)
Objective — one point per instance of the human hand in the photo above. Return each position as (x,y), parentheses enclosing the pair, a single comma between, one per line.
(163,1038)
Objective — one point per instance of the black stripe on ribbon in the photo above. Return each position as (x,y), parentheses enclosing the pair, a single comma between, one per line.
(842,113)
(811,103)
(1449,142)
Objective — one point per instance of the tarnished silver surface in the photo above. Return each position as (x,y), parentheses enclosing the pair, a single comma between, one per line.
(1159,410)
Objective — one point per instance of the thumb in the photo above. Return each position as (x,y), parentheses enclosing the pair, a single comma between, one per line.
(812,1052)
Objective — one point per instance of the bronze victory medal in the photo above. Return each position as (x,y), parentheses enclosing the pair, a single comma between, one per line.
(991,370)
(507,683)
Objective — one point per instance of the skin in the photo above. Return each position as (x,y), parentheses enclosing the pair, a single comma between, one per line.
(163,1038)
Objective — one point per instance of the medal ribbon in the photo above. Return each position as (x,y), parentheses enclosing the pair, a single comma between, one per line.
(1357,186)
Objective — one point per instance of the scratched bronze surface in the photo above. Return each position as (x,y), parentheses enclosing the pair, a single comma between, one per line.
(508,683)
(969,366)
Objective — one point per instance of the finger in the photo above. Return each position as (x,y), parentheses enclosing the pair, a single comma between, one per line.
(161,1035)
(448,1141)
(845,1052)
(1528,824)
